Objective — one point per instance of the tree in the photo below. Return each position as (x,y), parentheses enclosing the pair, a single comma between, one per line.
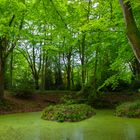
(133,32)
(10,24)
(33,54)
(68,43)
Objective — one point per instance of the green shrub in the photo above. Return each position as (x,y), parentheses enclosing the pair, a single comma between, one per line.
(67,99)
(129,109)
(70,113)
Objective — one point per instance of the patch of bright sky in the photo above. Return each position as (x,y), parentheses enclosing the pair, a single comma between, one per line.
(79,2)
(95,5)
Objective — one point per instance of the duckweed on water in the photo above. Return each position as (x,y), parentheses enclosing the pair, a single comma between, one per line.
(70,113)
(103,126)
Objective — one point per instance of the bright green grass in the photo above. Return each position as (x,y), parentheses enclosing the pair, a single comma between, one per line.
(102,126)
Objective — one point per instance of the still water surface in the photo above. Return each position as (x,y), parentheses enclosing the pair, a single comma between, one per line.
(103,126)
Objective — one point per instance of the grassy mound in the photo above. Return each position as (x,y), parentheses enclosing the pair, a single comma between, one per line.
(70,113)
(129,109)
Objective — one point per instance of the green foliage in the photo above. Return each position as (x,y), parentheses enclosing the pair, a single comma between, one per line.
(23,85)
(70,113)
(87,94)
(23,81)
(129,109)
(52,32)
(67,99)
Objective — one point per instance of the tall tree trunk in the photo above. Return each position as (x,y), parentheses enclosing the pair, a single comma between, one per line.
(1,76)
(135,67)
(5,50)
(36,82)
(2,66)
(72,73)
(11,70)
(58,74)
(83,59)
(43,72)
(95,69)
(133,33)
(69,71)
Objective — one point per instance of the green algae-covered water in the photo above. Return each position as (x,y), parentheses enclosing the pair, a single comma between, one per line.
(103,126)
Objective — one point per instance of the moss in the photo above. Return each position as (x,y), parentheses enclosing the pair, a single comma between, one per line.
(70,113)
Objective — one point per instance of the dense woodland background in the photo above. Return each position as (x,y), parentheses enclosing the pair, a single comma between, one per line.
(67,45)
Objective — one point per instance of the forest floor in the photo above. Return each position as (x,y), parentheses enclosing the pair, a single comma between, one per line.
(38,101)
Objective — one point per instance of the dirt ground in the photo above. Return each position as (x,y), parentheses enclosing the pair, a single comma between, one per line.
(36,102)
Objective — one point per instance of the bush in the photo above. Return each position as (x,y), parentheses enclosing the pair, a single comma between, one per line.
(129,109)
(87,94)
(67,99)
(70,113)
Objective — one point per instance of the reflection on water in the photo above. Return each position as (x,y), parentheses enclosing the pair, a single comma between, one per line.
(77,134)
(61,134)
(130,133)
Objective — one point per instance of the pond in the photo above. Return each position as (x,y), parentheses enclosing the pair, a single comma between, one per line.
(103,126)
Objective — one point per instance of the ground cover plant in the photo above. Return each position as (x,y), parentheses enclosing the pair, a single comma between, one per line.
(129,109)
(70,113)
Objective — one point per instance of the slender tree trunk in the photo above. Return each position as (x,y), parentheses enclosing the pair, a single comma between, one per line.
(43,72)
(11,70)
(133,33)
(1,77)
(69,71)
(95,69)
(96,65)
(2,67)
(83,59)
(72,73)
(58,74)
(36,82)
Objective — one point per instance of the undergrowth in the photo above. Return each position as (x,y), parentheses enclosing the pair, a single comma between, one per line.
(129,109)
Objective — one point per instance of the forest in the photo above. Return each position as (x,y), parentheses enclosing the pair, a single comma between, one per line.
(78,59)
(67,45)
